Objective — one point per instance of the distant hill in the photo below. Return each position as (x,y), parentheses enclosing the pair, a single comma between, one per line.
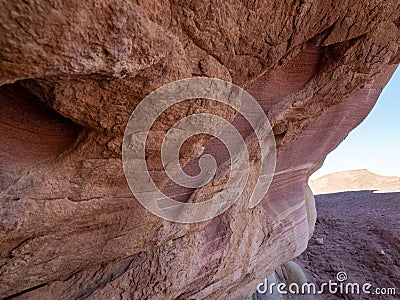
(354,180)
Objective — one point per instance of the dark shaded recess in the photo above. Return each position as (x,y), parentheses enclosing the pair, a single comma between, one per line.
(30,131)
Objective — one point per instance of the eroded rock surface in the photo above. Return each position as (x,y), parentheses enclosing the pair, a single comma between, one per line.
(72,73)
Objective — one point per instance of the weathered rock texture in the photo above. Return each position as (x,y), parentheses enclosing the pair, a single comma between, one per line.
(72,73)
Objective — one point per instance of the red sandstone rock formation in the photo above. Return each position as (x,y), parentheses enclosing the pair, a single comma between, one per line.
(72,72)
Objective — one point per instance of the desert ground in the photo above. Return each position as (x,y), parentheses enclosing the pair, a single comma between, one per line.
(361,236)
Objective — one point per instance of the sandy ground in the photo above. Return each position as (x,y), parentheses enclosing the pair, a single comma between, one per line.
(355,228)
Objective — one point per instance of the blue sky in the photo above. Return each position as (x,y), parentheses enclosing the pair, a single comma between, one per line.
(375,143)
